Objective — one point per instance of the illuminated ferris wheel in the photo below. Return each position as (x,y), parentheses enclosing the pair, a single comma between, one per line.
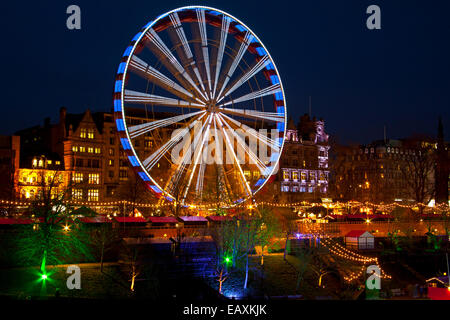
(200,107)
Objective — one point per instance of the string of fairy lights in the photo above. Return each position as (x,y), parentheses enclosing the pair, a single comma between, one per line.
(384,208)
(344,253)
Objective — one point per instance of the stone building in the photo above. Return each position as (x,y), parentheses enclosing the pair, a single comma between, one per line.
(304,171)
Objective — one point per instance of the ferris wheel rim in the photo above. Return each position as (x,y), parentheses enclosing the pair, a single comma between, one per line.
(130,51)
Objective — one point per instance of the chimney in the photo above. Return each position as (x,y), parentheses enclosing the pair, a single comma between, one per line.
(62,122)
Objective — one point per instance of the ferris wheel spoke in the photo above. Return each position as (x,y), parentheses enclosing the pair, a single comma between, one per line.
(187,156)
(202,26)
(255,95)
(245,77)
(144,98)
(237,59)
(198,154)
(141,67)
(246,113)
(140,129)
(200,178)
(156,156)
(153,37)
(223,39)
(252,156)
(273,144)
(187,50)
(236,160)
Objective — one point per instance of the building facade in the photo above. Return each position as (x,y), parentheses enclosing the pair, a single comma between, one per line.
(304,171)
(384,171)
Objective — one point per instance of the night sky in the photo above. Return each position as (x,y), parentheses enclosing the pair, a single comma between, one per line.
(359,79)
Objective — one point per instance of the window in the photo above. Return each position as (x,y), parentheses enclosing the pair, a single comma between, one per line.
(148,143)
(110,191)
(302,189)
(91,150)
(285,175)
(295,175)
(49,161)
(75,148)
(82,149)
(312,176)
(303,174)
(83,133)
(77,194)
(123,174)
(77,177)
(310,189)
(112,141)
(123,163)
(94,178)
(95,163)
(97,150)
(111,174)
(111,151)
(90,133)
(79,162)
(285,188)
(93,195)
(111,162)
(247,174)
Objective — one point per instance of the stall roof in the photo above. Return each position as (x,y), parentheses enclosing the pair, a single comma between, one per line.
(98,219)
(130,219)
(357,233)
(15,221)
(219,218)
(162,220)
(193,219)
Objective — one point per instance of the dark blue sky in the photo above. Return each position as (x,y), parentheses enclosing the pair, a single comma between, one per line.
(359,79)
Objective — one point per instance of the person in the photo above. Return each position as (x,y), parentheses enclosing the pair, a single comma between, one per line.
(425,291)
(421,291)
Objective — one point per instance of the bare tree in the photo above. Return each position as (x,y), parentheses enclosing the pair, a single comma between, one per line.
(418,171)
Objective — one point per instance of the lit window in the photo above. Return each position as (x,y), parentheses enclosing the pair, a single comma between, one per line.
(75,148)
(247,174)
(77,194)
(49,161)
(94,178)
(303,174)
(97,150)
(111,162)
(148,143)
(93,195)
(285,175)
(77,177)
(295,175)
(41,163)
(90,133)
(312,176)
(83,133)
(34,162)
(123,174)
(57,163)
(91,150)
(82,149)
(111,151)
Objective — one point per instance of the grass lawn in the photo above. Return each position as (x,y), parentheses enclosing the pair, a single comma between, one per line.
(25,283)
